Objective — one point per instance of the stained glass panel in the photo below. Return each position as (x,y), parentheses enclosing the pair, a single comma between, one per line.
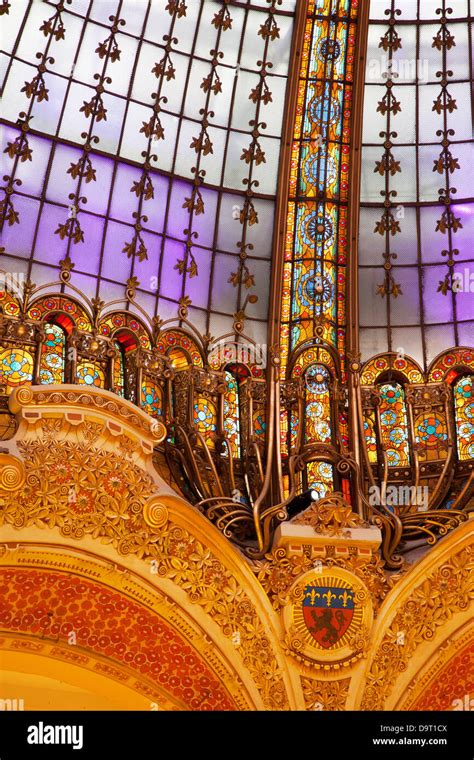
(318,407)
(316,239)
(393,424)
(16,368)
(369,432)
(431,435)
(464,410)
(53,356)
(119,373)
(232,414)
(152,398)
(89,373)
(205,418)
(320,478)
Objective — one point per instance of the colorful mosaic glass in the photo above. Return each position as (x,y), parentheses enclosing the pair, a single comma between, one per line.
(317,405)
(232,414)
(177,339)
(431,435)
(318,426)
(314,279)
(370,437)
(91,374)
(16,368)
(119,371)
(53,356)
(284,432)
(444,364)
(374,368)
(464,411)
(120,321)
(205,418)
(393,424)
(48,304)
(151,398)
(319,478)
(259,424)
(8,304)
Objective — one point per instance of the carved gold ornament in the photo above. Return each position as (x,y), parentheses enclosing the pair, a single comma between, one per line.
(155,512)
(12,472)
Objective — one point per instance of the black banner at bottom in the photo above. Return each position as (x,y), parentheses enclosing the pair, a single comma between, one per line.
(122,734)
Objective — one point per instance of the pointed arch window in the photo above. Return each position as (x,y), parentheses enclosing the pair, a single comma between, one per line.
(53,355)
(464,414)
(393,424)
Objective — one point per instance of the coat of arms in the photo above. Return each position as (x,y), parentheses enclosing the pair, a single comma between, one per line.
(327,612)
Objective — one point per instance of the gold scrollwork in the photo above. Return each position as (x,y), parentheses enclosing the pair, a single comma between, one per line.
(12,473)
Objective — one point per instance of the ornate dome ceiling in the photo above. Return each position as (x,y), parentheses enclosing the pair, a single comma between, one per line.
(142,139)
(417,211)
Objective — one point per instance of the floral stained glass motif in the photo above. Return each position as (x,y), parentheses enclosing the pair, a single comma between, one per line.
(119,371)
(370,438)
(318,407)
(232,414)
(53,356)
(393,424)
(205,418)
(318,427)
(152,398)
(431,435)
(464,411)
(316,239)
(320,478)
(89,373)
(16,368)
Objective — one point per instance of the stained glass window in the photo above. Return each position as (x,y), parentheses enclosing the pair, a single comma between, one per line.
(464,410)
(152,398)
(320,478)
(431,435)
(393,424)
(91,374)
(369,432)
(318,408)
(232,414)
(316,240)
(16,368)
(119,370)
(53,356)
(318,425)
(205,418)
